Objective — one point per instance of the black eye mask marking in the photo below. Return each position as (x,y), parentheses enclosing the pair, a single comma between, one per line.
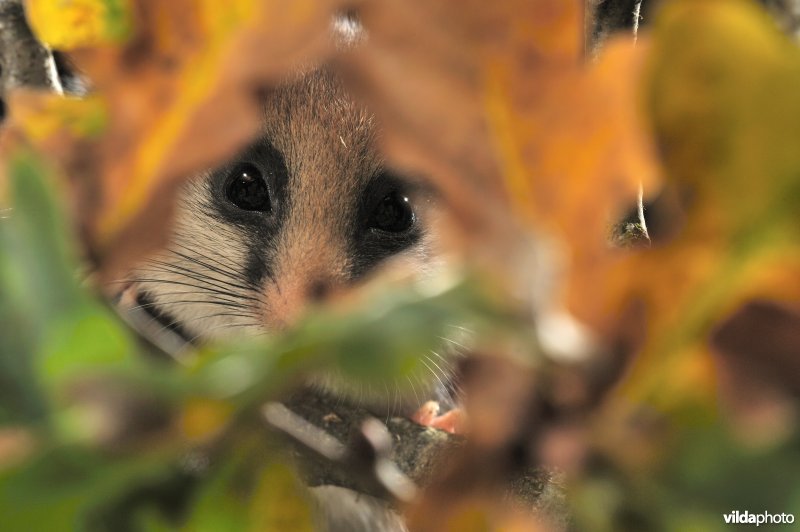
(386,223)
(251,191)
(146,304)
(252,194)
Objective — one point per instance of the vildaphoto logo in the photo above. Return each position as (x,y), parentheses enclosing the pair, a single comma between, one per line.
(764,518)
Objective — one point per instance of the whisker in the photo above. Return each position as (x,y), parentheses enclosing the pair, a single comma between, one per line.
(231,299)
(162,265)
(422,385)
(166,267)
(451,386)
(207,317)
(223,268)
(460,328)
(182,283)
(387,403)
(360,399)
(445,362)
(227,276)
(223,326)
(450,340)
(396,397)
(414,389)
(433,372)
(197,302)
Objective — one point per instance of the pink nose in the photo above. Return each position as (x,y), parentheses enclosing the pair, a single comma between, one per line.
(287,300)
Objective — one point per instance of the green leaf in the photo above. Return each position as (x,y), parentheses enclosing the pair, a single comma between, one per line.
(38,248)
(67,487)
(722,90)
(52,328)
(381,342)
(86,340)
(249,491)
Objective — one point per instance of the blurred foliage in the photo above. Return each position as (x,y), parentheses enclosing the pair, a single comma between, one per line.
(666,423)
(102,422)
(79,23)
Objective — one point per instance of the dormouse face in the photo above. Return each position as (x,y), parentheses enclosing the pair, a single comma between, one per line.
(307,210)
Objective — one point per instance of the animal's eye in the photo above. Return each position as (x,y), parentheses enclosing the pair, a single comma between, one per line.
(393,214)
(247,189)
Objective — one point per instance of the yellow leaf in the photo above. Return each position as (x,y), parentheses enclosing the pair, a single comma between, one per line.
(203,419)
(279,502)
(722,89)
(68,24)
(41,116)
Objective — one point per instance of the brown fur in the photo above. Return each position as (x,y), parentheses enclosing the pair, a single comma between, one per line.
(204,282)
(227,273)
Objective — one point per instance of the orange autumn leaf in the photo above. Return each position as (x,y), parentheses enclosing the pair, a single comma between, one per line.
(576,153)
(181,94)
(721,88)
(495,104)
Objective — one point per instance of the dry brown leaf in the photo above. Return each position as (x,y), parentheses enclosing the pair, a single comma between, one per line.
(495,104)
(421,76)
